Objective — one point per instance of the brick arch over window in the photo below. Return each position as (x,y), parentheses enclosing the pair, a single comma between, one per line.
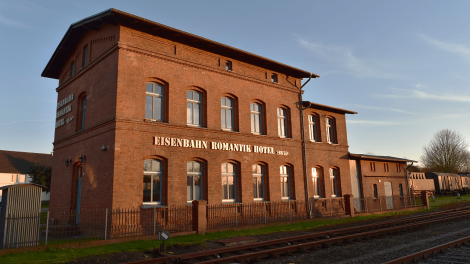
(314,127)
(331,133)
(318,181)
(81,112)
(196,107)
(156,99)
(283,121)
(229,112)
(258,117)
(158,167)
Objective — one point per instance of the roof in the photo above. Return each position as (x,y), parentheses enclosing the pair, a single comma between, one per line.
(20,185)
(21,162)
(327,108)
(376,157)
(114,16)
(444,174)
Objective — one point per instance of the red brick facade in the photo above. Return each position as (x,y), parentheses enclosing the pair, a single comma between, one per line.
(117,137)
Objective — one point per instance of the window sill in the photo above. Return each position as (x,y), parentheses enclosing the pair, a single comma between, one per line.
(229,130)
(257,134)
(230,202)
(195,126)
(149,206)
(78,132)
(154,121)
(313,141)
(287,199)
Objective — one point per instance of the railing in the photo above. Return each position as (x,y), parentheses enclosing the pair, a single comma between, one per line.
(384,203)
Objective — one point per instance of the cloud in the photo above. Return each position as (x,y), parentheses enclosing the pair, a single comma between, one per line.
(419,86)
(344,58)
(385,109)
(428,96)
(368,122)
(448,46)
(21,121)
(10,22)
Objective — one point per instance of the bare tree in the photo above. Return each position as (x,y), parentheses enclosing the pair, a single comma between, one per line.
(447,152)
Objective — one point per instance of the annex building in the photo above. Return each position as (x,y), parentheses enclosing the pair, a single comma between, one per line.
(152,116)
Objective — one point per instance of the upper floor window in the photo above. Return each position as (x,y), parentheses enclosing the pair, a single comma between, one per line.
(372,166)
(227,113)
(154,101)
(312,128)
(229,180)
(81,113)
(194,181)
(330,131)
(334,182)
(152,181)
(398,167)
(258,182)
(285,182)
(194,108)
(316,181)
(282,122)
(273,77)
(386,167)
(228,65)
(72,68)
(256,118)
(376,194)
(85,56)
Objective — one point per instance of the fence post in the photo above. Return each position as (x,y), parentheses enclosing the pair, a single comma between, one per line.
(199,216)
(47,226)
(154,220)
(264,206)
(367,208)
(380,202)
(236,215)
(106,225)
(290,219)
(331,209)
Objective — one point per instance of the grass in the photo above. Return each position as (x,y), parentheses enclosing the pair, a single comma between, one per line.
(44,204)
(64,255)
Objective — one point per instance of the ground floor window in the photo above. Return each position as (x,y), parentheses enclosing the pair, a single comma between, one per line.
(285,182)
(333,182)
(152,181)
(194,181)
(258,182)
(229,179)
(316,172)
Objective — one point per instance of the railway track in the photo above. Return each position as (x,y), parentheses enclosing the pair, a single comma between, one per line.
(443,255)
(289,245)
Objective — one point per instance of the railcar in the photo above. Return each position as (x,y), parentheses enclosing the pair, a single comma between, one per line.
(445,183)
(419,183)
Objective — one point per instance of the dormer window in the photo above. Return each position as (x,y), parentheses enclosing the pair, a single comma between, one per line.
(228,65)
(274,78)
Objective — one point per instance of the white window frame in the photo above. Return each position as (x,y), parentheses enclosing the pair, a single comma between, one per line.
(282,122)
(330,131)
(155,95)
(285,177)
(316,183)
(227,108)
(253,114)
(234,175)
(312,126)
(193,173)
(195,104)
(259,175)
(152,174)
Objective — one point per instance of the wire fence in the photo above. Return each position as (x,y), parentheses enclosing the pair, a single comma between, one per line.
(384,203)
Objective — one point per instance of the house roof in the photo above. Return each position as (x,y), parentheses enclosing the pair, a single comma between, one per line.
(327,108)
(381,158)
(21,162)
(114,16)
(445,174)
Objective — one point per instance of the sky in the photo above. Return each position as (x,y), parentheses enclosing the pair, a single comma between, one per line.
(402,65)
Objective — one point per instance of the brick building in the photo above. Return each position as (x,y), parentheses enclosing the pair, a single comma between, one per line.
(149,115)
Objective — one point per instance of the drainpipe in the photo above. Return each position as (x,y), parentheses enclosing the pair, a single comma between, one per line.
(304,154)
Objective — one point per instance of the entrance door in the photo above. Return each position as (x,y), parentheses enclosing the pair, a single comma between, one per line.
(355,184)
(388,195)
(79,192)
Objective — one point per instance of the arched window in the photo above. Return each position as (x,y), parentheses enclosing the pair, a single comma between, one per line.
(331,131)
(152,181)
(258,182)
(229,180)
(313,127)
(256,118)
(282,122)
(316,181)
(81,113)
(194,181)
(334,182)
(227,113)
(285,182)
(194,108)
(154,101)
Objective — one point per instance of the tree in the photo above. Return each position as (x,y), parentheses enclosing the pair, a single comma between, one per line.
(447,152)
(41,175)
